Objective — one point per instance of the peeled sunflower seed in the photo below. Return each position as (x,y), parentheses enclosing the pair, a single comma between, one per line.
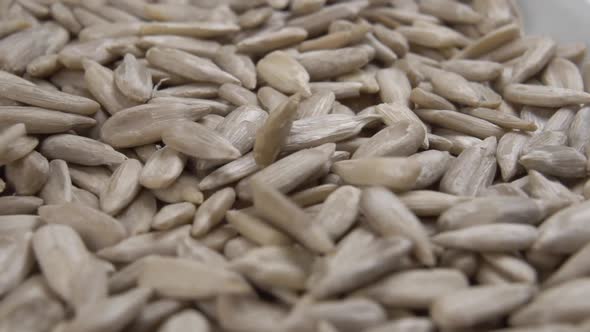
(400,140)
(490,41)
(560,233)
(123,186)
(343,60)
(80,150)
(544,96)
(230,172)
(133,79)
(542,187)
(434,165)
(455,88)
(58,188)
(472,171)
(284,214)
(138,215)
(398,174)
(339,211)
(255,229)
(578,137)
(389,216)
(28,174)
(101,84)
(562,73)
(426,203)
(461,122)
(212,211)
(501,119)
(429,100)
(560,161)
(162,168)
(240,66)
(284,73)
(507,237)
(533,60)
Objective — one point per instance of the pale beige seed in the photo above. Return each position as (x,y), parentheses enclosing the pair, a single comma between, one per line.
(549,189)
(212,280)
(339,211)
(284,73)
(64,16)
(394,112)
(314,131)
(394,86)
(400,140)
(239,65)
(513,268)
(144,124)
(193,90)
(461,122)
(199,47)
(43,121)
(472,171)
(432,36)
(230,172)
(434,164)
(399,174)
(320,103)
(361,258)
(89,284)
(218,106)
(10,205)
(237,95)
(117,311)
(184,189)
(342,61)
(126,277)
(474,70)
(340,89)
(561,73)
(270,98)
(489,276)
(508,153)
(573,306)
(212,211)
(494,209)
(255,229)
(275,266)
(88,18)
(73,55)
(416,289)
(243,312)
(28,174)
(272,136)
(490,41)
(427,203)
(544,96)
(10,26)
(336,39)
(80,150)
(162,168)
(313,195)
(506,238)
(455,88)
(272,40)
(58,188)
(93,179)
(255,17)
(383,53)
(18,259)
(192,29)
(175,12)
(193,249)
(59,252)
(578,136)
(18,224)
(366,77)
(300,7)
(189,66)
(22,47)
(133,248)
(133,79)
(469,307)
(317,22)
(386,214)
(576,266)
(562,232)
(392,38)
(44,66)
(34,300)
(429,100)
(450,11)
(288,173)
(406,16)
(556,160)
(101,83)
(84,197)
(138,215)
(533,60)
(17,149)
(286,215)
(198,141)
(122,187)
(440,143)
(501,119)
(348,315)
(173,215)
(545,138)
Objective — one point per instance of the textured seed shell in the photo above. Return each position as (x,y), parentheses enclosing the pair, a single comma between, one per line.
(555,160)
(198,141)
(162,168)
(454,88)
(144,124)
(490,41)
(533,60)
(230,172)
(341,61)
(122,187)
(101,84)
(561,233)
(461,122)
(544,96)
(284,73)
(133,79)
(562,73)
(80,150)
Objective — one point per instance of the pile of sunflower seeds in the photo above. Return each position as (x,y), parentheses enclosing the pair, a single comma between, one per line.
(290,166)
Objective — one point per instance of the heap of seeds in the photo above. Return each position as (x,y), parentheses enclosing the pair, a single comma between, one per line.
(290,166)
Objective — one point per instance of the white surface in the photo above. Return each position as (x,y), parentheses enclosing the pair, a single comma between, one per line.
(564,20)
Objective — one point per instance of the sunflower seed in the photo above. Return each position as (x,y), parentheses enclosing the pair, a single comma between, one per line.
(416,289)
(574,308)
(399,140)
(211,212)
(162,168)
(405,325)
(58,188)
(256,230)
(340,89)
(450,11)
(449,311)
(508,153)
(319,21)
(123,186)
(392,113)
(28,174)
(272,136)
(238,65)
(455,88)
(193,90)
(426,203)
(533,60)
(577,134)
(556,160)
(341,271)
(237,95)
(561,73)
(432,36)
(284,73)
(434,165)
(507,237)
(544,96)
(490,41)
(426,99)
(339,211)
(394,86)
(216,106)
(336,39)
(142,245)
(137,216)
(80,150)
(398,174)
